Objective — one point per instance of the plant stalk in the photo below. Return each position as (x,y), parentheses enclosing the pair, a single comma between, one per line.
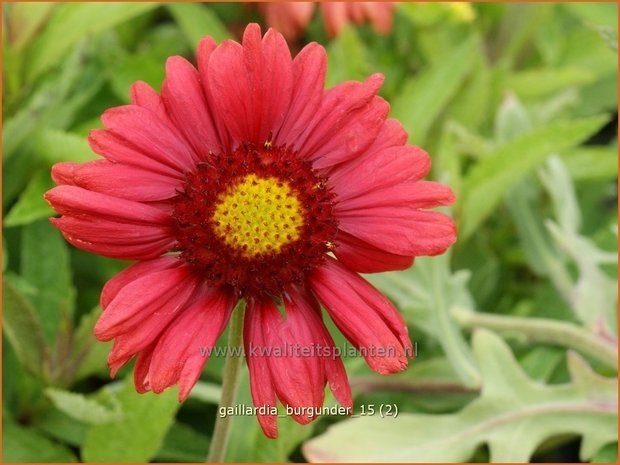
(230,383)
(546,331)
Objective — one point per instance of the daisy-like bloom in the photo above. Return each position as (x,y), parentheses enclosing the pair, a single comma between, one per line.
(337,14)
(292,18)
(245,179)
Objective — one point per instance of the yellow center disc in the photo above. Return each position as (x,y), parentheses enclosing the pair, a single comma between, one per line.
(258,215)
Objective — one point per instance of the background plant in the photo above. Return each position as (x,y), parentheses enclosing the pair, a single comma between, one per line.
(515,328)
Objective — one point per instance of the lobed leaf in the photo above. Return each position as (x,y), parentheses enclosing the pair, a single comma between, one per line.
(513,415)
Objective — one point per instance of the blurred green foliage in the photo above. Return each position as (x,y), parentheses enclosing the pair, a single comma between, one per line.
(517,105)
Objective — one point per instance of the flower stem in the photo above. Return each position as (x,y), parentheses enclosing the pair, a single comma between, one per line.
(560,333)
(230,383)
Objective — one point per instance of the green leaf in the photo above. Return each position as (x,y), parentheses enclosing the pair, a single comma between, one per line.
(5,256)
(31,206)
(134,68)
(425,293)
(512,119)
(512,416)
(139,434)
(349,52)
(594,295)
(198,21)
(603,13)
(183,444)
(72,22)
(471,105)
(608,454)
(537,83)
(84,409)
(21,444)
(24,19)
(89,355)
(423,97)
(54,103)
(62,427)
(55,146)
(492,177)
(23,329)
(592,163)
(541,253)
(45,265)
(148,64)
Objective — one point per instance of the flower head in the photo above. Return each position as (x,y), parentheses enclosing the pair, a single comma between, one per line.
(245,179)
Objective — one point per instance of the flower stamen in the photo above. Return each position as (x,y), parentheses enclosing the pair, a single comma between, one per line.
(258,215)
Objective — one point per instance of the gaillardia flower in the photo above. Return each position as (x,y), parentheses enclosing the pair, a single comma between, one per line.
(292,18)
(245,179)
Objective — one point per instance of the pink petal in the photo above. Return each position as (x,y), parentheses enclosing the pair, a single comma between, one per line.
(261,384)
(117,149)
(391,134)
(364,315)
(334,17)
(163,291)
(308,83)
(62,173)
(360,256)
(82,203)
(140,251)
(299,380)
(375,170)
(251,85)
(110,232)
(205,49)
(184,98)
(179,356)
(380,15)
(142,129)
(141,370)
(125,181)
(349,120)
(145,96)
(290,18)
(135,271)
(306,310)
(128,344)
(400,230)
(418,194)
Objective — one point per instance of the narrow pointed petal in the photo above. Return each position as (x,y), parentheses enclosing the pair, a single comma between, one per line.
(130,274)
(125,181)
(350,117)
(401,230)
(163,291)
(261,382)
(364,315)
(309,69)
(187,104)
(360,256)
(298,378)
(181,351)
(251,84)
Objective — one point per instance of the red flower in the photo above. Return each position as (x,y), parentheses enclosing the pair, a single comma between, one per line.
(291,18)
(246,180)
